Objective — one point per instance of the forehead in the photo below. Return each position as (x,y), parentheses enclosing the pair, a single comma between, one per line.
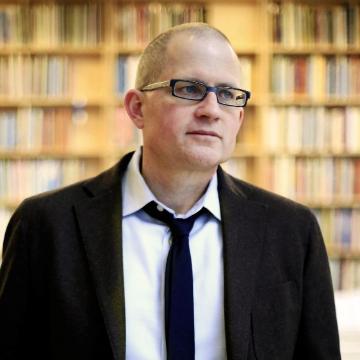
(208,58)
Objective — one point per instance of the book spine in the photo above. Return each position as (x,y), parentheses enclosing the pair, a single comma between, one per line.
(297,25)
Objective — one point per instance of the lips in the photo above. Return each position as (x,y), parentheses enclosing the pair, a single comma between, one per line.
(204,133)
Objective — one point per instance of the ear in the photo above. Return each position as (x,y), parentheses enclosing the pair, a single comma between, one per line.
(241,117)
(133,105)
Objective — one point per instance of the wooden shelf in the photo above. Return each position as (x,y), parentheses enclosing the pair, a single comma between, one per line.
(309,154)
(307,100)
(49,101)
(257,151)
(331,203)
(127,49)
(83,50)
(314,49)
(49,154)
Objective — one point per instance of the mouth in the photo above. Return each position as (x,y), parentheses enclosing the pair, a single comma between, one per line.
(204,133)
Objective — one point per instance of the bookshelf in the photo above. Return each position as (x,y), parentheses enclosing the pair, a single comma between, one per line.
(65,65)
(313,151)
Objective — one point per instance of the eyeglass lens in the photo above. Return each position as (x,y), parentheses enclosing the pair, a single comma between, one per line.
(197,91)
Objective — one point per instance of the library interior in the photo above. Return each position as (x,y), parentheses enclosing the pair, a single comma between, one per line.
(66,65)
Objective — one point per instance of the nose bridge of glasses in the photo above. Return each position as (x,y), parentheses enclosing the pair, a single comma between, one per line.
(211,89)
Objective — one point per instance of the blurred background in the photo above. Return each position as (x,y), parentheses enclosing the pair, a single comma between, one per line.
(65,65)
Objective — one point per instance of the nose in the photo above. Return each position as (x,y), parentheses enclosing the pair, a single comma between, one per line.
(209,107)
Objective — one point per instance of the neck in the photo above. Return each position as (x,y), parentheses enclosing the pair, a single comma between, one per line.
(179,189)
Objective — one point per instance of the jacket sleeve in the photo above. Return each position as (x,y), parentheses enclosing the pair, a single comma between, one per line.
(318,333)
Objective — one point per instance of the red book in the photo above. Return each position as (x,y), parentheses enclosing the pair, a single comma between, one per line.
(300,68)
(357,178)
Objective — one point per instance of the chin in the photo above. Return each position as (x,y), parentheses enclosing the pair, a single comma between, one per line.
(204,159)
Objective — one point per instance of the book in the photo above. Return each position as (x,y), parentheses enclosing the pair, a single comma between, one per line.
(307,24)
(307,129)
(332,77)
(137,24)
(23,178)
(35,129)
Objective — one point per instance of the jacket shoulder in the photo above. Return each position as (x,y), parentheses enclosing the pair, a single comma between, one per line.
(278,205)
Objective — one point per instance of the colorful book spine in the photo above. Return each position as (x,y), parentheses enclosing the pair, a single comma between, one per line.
(314,180)
(333,76)
(40,75)
(23,178)
(51,24)
(35,129)
(309,130)
(300,24)
(345,274)
(138,24)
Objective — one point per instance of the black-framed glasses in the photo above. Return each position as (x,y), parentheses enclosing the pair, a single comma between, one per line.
(196,90)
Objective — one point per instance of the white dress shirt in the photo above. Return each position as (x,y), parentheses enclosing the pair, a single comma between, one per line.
(146,243)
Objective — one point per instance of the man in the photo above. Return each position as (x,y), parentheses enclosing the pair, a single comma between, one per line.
(84,267)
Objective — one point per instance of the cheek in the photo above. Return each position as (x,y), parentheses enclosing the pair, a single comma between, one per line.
(172,120)
(165,124)
(233,129)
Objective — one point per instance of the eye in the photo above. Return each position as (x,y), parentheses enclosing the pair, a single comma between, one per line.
(226,94)
(188,89)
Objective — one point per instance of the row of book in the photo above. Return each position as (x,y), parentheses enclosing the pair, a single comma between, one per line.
(345,274)
(126,67)
(61,129)
(299,24)
(23,178)
(138,24)
(51,24)
(307,129)
(324,179)
(321,180)
(313,180)
(340,228)
(35,75)
(35,128)
(316,75)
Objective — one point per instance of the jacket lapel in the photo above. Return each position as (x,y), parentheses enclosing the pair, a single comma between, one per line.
(99,217)
(243,231)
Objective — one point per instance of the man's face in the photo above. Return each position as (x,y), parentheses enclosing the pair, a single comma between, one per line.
(193,135)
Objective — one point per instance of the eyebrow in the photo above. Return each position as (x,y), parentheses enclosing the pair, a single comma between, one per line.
(203,82)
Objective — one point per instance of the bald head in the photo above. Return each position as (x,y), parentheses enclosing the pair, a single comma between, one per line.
(155,56)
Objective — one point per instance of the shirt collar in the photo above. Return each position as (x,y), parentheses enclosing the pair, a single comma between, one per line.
(136,193)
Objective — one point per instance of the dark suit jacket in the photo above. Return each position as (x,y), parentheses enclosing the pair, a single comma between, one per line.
(62,289)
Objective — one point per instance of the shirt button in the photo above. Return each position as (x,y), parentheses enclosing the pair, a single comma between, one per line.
(160,208)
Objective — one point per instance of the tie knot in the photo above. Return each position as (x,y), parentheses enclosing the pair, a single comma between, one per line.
(179,227)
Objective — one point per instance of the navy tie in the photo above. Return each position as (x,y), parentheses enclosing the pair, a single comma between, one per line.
(179,301)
